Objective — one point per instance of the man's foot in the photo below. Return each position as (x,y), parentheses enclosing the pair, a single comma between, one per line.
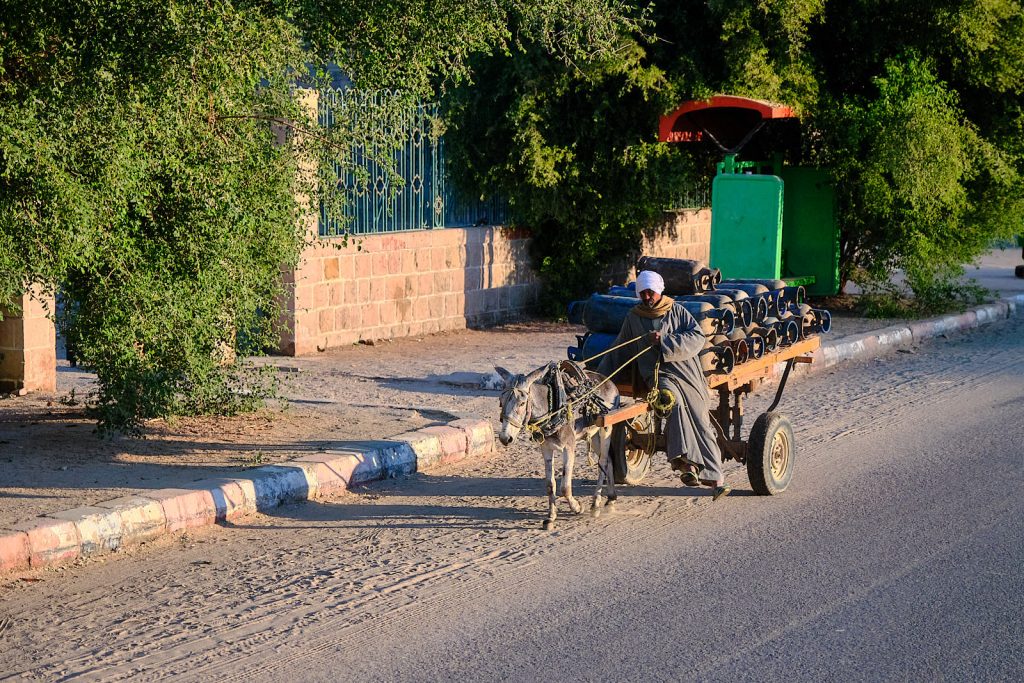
(721,492)
(687,472)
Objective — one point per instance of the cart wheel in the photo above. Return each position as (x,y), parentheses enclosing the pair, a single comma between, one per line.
(630,465)
(770,454)
(1019,271)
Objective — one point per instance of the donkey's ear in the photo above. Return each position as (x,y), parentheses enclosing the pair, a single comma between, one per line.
(537,374)
(505,375)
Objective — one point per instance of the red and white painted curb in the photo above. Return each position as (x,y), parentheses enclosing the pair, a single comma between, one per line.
(878,342)
(63,537)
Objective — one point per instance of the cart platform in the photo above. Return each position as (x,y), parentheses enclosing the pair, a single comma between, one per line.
(768,453)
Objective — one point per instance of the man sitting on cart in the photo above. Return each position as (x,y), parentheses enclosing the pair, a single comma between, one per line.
(672,364)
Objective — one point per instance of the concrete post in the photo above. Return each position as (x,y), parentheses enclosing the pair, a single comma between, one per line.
(28,346)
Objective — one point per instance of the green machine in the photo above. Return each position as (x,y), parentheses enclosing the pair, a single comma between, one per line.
(768,219)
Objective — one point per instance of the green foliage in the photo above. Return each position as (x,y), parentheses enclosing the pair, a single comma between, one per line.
(157,163)
(917,108)
(569,146)
(140,174)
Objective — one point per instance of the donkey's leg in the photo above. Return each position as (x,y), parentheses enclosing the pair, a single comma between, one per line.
(600,442)
(549,476)
(603,442)
(598,500)
(568,465)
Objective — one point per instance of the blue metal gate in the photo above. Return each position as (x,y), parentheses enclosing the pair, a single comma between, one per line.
(395,179)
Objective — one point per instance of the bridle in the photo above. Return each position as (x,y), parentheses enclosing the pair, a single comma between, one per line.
(524,398)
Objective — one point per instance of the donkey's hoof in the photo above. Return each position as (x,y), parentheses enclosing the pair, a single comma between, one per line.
(595,511)
(575,506)
(548,524)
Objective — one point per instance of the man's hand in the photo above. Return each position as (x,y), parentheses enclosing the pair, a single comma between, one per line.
(654,338)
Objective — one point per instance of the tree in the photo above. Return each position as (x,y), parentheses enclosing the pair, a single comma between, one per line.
(143,169)
(916,107)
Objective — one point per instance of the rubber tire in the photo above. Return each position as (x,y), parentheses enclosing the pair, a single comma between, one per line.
(627,472)
(1019,271)
(767,428)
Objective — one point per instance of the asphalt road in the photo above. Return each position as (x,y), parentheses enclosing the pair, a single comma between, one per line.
(896,554)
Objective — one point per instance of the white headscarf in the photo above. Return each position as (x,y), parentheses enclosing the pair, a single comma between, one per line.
(648,279)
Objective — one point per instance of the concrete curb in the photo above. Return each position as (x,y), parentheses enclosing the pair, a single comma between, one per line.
(878,342)
(63,537)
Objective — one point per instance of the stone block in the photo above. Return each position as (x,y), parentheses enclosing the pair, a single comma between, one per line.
(346,267)
(442,283)
(423,260)
(321,296)
(331,268)
(14,550)
(924,329)
(409,261)
(274,485)
(435,305)
(395,264)
(142,519)
(304,297)
(425,284)
(99,529)
(405,312)
(185,508)
(479,435)
(50,541)
(333,471)
(379,289)
(326,320)
(371,315)
(427,448)
(336,294)
(388,312)
(454,442)
(362,265)
(439,258)
(967,320)
(10,333)
(455,257)
(232,498)
(351,293)
(421,309)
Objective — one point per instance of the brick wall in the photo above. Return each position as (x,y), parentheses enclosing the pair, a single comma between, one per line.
(405,284)
(409,283)
(683,234)
(28,357)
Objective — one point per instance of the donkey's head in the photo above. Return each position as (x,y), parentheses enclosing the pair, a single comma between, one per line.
(515,402)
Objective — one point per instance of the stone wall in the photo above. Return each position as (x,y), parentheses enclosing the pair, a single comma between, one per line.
(404,284)
(28,342)
(683,234)
(409,283)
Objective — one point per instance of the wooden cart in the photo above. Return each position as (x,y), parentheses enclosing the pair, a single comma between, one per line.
(769,451)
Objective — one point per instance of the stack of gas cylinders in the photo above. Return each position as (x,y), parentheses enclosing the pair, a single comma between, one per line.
(742,319)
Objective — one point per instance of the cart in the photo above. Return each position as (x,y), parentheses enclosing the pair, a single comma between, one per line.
(768,453)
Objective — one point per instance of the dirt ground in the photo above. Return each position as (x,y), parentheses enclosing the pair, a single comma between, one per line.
(51,459)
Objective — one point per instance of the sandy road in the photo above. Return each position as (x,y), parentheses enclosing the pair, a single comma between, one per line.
(896,553)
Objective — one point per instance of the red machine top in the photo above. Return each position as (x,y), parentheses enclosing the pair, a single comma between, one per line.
(729,121)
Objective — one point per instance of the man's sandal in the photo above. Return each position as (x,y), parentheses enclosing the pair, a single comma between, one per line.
(689,478)
(721,492)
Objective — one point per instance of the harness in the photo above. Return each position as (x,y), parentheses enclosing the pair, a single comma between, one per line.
(571,391)
(571,394)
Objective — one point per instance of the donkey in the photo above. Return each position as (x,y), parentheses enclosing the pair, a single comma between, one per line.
(525,402)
